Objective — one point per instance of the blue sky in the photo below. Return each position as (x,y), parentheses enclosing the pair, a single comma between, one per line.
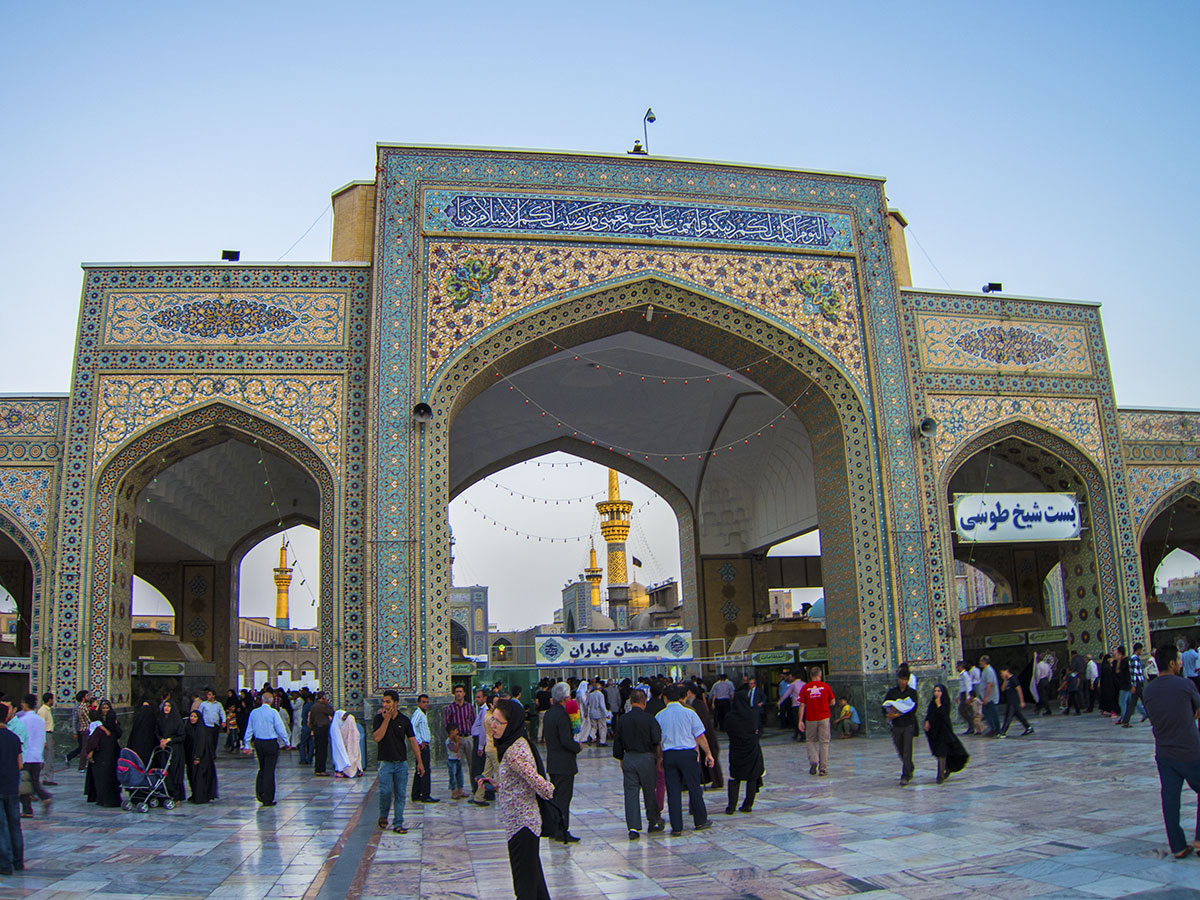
(1047,146)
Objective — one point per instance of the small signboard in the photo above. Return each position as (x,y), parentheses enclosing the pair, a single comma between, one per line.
(154,667)
(1012,518)
(613,648)
(1049,636)
(462,668)
(813,654)
(1004,640)
(14,664)
(773,657)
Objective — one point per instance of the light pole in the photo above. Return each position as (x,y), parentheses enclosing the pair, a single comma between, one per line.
(646,120)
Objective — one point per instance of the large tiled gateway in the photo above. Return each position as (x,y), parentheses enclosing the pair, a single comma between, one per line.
(1071,811)
(743,340)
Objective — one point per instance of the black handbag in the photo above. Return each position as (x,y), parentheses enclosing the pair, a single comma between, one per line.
(551,815)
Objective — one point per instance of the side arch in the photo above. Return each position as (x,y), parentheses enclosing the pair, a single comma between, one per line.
(1099,549)
(110,560)
(38,601)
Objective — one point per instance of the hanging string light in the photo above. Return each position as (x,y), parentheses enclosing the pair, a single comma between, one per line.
(695,377)
(509,529)
(548,501)
(633,452)
(279,521)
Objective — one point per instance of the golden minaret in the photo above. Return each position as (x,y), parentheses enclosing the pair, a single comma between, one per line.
(283,580)
(614,525)
(594,574)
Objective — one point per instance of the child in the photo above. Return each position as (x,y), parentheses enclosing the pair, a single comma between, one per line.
(453,762)
(848,721)
(977,715)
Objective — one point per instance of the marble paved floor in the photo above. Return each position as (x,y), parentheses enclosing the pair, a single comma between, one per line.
(1071,811)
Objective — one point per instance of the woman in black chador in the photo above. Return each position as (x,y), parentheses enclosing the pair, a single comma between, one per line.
(939,730)
(745,753)
(103,748)
(201,768)
(169,727)
(142,740)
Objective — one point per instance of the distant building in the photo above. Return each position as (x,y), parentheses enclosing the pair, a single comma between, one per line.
(468,620)
(1182,595)
(781,604)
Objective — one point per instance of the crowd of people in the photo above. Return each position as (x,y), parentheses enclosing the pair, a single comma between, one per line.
(666,737)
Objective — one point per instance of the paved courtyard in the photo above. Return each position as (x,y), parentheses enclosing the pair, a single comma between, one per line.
(1071,811)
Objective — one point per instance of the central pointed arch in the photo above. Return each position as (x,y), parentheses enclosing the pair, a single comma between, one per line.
(861,613)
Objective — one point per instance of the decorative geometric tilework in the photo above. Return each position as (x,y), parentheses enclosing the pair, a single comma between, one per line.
(957,342)
(405,470)
(154,318)
(728,572)
(1148,425)
(25,498)
(961,418)
(30,418)
(1149,484)
(312,405)
(803,293)
(77,624)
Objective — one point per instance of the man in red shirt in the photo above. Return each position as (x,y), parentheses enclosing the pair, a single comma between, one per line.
(816,698)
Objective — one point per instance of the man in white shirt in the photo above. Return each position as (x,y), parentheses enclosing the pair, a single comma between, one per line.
(265,729)
(682,737)
(964,696)
(422,778)
(33,753)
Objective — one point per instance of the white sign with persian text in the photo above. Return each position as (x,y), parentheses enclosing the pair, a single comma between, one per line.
(613,648)
(1009,518)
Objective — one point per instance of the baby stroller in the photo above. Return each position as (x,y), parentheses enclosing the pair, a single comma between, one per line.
(146,786)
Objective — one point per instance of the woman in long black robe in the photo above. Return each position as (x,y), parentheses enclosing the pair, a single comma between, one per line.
(142,739)
(104,748)
(939,731)
(1109,697)
(745,753)
(201,768)
(709,775)
(169,728)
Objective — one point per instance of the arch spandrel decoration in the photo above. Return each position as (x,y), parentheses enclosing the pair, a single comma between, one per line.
(1116,596)
(962,418)
(732,330)
(814,297)
(109,527)
(1165,490)
(1154,488)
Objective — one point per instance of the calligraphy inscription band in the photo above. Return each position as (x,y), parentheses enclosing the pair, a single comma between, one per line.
(562,215)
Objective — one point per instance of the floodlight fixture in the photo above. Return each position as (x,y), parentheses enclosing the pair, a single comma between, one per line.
(231,255)
(993,287)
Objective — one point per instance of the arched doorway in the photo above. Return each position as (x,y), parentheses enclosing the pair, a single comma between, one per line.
(1172,530)
(20,576)
(1021,458)
(789,440)
(179,506)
